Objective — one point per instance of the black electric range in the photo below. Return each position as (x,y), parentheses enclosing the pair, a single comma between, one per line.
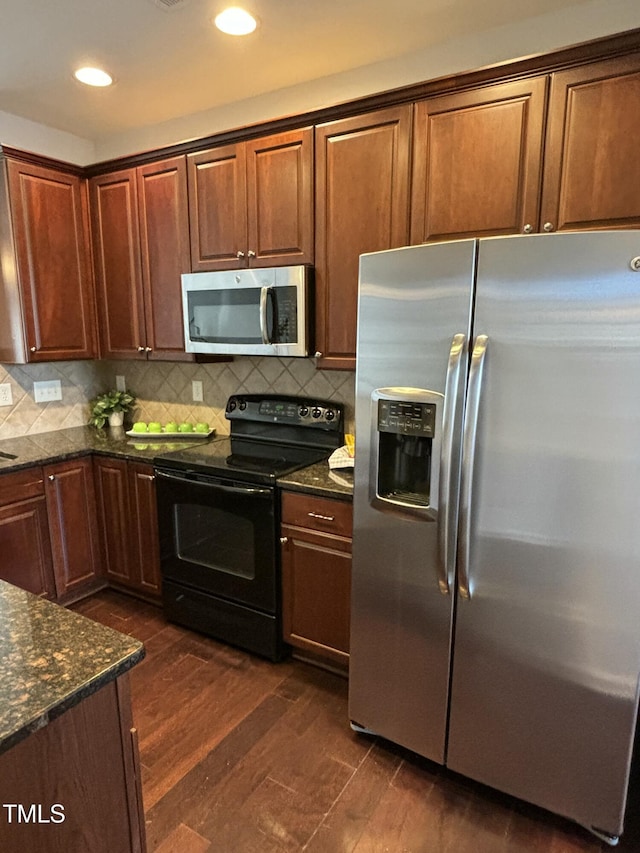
(218,514)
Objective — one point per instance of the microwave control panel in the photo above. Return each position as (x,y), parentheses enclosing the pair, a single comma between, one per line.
(407,418)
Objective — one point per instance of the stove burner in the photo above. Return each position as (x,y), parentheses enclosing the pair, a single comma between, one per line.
(255,463)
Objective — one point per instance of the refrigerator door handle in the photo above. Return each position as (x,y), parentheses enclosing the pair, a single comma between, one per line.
(446,556)
(468,457)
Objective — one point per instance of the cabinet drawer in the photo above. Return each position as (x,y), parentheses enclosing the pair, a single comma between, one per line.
(21,486)
(325,514)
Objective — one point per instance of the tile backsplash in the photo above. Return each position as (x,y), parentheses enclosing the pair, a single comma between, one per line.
(163,389)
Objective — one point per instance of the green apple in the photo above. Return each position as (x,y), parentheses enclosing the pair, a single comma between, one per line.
(202,426)
(172,426)
(155,426)
(185,427)
(139,426)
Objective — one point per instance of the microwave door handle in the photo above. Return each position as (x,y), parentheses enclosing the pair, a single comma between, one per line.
(446,515)
(474,393)
(265,293)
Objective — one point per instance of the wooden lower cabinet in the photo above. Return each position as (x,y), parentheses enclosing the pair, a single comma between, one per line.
(86,764)
(128,522)
(24,533)
(316,576)
(71,511)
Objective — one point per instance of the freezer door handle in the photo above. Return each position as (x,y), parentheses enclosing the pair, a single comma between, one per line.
(446,514)
(468,457)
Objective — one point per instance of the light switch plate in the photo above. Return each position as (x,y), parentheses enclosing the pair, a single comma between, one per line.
(6,397)
(47,391)
(196,391)
(121,384)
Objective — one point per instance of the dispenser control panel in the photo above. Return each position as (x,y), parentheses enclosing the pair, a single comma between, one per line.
(407,418)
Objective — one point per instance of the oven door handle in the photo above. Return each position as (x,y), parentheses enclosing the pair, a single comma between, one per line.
(236,490)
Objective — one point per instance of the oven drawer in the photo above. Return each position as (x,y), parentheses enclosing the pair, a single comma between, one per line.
(325,514)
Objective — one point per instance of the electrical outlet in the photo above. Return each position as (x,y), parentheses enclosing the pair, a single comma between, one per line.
(6,397)
(121,384)
(196,391)
(48,391)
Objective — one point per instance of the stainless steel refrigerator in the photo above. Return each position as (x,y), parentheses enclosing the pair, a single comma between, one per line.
(496,552)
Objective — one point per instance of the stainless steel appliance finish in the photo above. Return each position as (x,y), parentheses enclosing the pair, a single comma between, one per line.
(497,632)
(261,311)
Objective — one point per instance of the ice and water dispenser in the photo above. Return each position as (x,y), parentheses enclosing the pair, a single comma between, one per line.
(406,450)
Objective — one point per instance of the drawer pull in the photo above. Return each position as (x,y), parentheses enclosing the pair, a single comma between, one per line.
(321,517)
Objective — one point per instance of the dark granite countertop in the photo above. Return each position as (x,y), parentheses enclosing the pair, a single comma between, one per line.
(60,445)
(50,659)
(319,480)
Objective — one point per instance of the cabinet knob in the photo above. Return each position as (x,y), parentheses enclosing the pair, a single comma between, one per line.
(251,253)
(34,349)
(318,355)
(240,254)
(548,226)
(528,228)
(140,349)
(148,349)
(52,477)
(284,540)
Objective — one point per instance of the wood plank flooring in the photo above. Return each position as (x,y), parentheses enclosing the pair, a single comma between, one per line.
(241,755)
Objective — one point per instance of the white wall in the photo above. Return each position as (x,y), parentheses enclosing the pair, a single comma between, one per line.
(28,135)
(542,34)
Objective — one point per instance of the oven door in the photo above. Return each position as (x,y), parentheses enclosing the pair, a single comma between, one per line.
(218,536)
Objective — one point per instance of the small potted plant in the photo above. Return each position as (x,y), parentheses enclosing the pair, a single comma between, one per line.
(112,407)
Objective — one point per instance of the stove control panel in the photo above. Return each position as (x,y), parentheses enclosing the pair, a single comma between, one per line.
(289,411)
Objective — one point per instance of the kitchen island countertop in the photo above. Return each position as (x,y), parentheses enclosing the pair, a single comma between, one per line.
(50,659)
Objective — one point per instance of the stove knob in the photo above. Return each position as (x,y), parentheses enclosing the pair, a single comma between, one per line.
(231,406)
(316,412)
(303,411)
(330,415)
(243,405)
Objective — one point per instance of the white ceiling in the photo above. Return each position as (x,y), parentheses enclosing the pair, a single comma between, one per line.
(172,62)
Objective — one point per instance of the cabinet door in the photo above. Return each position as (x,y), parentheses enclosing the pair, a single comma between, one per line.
(51,232)
(144,536)
(362,205)
(24,544)
(280,199)
(477,162)
(71,509)
(316,589)
(592,167)
(113,513)
(116,257)
(165,254)
(217,208)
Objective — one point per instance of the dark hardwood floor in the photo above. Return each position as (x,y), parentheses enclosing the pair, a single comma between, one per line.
(242,755)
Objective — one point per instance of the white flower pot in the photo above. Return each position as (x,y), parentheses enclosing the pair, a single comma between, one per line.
(116,419)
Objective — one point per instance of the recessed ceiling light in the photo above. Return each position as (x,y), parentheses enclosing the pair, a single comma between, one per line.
(235,21)
(93,76)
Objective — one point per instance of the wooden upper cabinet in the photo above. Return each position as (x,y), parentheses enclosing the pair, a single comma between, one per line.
(116,259)
(251,204)
(592,166)
(140,247)
(217,208)
(280,199)
(362,205)
(164,249)
(47,291)
(477,162)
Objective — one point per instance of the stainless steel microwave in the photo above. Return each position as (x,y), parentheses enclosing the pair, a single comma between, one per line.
(262,311)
